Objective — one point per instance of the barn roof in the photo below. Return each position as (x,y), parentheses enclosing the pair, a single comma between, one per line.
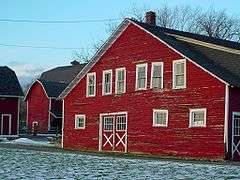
(9,84)
(53,89)
(63,74)
(54,81)
(221,58)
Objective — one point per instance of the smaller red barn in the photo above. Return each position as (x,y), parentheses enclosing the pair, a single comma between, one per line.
(10,94)
(44,111)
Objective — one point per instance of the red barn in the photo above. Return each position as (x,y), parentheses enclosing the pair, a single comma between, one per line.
(10,94)
(157,91)
(43,109)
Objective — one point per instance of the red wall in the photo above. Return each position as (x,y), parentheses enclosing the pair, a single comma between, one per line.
(203,91)
(234,106)
(38,104)
(9,105)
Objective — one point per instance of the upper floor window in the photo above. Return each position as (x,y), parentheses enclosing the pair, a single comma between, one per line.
(157,75)
(120,86)
(91,84)
(80,121)
(198,117)
(141,76)
(160,118)
(107,82)
(179,74)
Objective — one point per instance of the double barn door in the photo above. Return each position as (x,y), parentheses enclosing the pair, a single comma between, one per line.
(113,132)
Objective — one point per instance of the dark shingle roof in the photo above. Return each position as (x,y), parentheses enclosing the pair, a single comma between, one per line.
(9,84)
(223,64)
(64,74)
(53,89)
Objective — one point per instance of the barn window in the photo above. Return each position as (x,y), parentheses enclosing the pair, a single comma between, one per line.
(91,84)
(107,82)
(108,123)
(160,118)
(120,86)
(157,75)
(80,121)
(179,74)
(141,76)
(198,117)
(121,123)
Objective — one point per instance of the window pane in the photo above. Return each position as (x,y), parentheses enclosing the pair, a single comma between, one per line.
(121,123)
(179,68)
(179,80)
(121,75)
(80,122)
(141,83)
(157,71)
(198,118)
(141,72)
(160,118)
(108,123)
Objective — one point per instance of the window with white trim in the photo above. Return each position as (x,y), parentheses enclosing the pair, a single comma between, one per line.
(198,117)
(121,123)
(179,74)
(80,121)
(107,82)
(91,84)
(160,117)
(157,75)
(120,82)
(141,76)
(108,123)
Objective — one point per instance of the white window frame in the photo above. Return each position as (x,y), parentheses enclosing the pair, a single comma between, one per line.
(103,81)
(116,80)
(156,64)
(84,122)
(91,74)
(153,120)
(173,74)
(136,83)
(191,117)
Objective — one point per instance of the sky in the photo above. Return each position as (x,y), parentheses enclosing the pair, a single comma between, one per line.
(30,62)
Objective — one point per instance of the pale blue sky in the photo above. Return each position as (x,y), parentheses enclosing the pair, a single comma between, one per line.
(26,60)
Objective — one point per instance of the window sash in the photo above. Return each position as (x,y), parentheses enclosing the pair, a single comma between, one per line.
(108,124)
(121,123)
(80,121)
(157,72)
(91,83)
(141,79)
(160,118)
(198,118)
(107,84)
(179,74)
(120,81)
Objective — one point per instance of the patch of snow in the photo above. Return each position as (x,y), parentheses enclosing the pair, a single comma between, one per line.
(26,141)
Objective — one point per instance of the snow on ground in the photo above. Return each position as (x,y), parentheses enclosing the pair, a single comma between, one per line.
(26,141)
(30,164)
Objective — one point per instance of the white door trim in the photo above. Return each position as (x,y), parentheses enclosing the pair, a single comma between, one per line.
(9,125)
(101,127)
(233,114)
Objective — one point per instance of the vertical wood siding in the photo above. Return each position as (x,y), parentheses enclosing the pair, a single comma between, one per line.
(135,46)
(38,104)
(9,105)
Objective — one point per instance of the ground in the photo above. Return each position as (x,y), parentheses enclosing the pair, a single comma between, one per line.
(35,164)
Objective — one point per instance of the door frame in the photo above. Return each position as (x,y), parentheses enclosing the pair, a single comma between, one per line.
(101,116)
(233,114)
(9,125)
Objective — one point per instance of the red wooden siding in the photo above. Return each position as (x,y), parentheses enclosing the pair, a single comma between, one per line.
(9,105)
(133,47)
(38,104)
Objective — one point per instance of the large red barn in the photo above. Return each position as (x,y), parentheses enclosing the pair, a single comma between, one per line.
(10,94)
(157,91)
(44,111)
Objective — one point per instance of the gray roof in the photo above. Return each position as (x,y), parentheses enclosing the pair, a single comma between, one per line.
(9,84)
(64,74)
(223,64)
(53,89)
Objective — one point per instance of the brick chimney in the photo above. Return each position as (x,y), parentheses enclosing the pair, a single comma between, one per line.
(151,17)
